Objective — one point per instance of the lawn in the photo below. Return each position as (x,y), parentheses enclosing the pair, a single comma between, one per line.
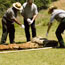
(36,57)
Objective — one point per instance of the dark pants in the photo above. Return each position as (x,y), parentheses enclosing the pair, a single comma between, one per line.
(60,30)
(7,27)
(27,32)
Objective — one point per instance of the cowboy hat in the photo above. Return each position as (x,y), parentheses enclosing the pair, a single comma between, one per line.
(50,10)
(17,6)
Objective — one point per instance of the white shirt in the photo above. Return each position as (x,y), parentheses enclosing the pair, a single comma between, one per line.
(29,10)
(57,14)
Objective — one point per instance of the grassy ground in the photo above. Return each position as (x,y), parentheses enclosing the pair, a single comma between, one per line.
(38,57)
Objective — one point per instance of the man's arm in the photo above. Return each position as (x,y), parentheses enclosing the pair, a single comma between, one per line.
(35,13)
(13,18)
(34,17)
(50,24)
(49,27)
(16,21)
(31,21)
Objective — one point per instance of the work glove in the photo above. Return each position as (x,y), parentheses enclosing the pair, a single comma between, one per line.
(29,21)
(47,34)
(22,26)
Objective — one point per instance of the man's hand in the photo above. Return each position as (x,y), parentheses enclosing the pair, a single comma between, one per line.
(47,34)
(22,26)
(30,21)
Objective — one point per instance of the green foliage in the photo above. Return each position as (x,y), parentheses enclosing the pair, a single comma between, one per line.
(53,0)
(4,4)
(22,1)
(42,3)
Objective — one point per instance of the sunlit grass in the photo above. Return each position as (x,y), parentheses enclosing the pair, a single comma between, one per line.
(37,57)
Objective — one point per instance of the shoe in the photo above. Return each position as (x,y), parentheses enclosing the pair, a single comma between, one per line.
(3,44)
(60,47)
(12,42)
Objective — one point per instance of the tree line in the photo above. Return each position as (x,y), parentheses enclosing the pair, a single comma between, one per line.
(4,4)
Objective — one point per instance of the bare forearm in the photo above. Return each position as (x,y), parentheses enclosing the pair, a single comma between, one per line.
(49,26)
(16,21)
(34,17)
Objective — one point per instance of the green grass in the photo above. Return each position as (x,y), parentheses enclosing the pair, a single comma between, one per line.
(38,57)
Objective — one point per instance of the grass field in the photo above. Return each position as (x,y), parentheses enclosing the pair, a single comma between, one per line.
(36,57)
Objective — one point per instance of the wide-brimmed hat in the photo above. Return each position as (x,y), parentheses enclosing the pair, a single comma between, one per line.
(51,9)
(17,6)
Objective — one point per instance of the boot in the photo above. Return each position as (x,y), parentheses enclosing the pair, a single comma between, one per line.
(62,44)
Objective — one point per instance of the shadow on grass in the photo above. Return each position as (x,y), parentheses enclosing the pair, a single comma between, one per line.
(20,42)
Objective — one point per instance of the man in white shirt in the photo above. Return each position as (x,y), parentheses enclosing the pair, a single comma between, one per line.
(59,15)
(29,13)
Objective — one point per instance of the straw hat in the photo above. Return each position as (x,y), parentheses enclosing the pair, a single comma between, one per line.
(17,6)
(50,10)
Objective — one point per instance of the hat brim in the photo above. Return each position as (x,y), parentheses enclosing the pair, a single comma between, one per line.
(51,9)
(16,7)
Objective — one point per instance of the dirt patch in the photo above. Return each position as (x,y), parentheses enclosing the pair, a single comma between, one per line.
(60,4)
